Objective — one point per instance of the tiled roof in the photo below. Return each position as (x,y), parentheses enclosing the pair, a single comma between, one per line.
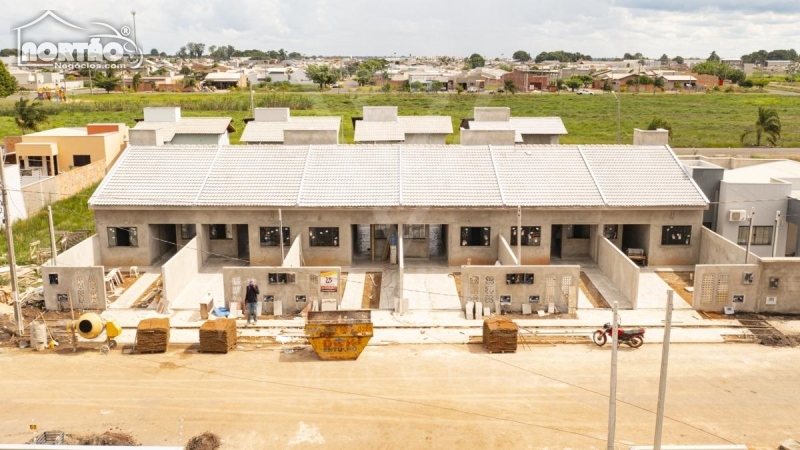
(273,131)
(188,125)
(347,176)
(523,125)
(379,132)
(426,124)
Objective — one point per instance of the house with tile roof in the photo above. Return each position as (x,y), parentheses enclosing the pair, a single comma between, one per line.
(494,125)
(287,208)
(382,125)
(165,126)
(278,126)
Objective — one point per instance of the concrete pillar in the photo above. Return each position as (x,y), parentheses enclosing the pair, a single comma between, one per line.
(400,263)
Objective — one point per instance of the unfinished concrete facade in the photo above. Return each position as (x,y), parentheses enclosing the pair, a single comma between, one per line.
(382,125)
(495,126)
(278,126)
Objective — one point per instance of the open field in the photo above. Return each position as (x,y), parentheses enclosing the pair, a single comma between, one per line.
(407,396)
(698,120)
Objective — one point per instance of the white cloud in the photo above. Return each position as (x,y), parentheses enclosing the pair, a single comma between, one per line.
(424,27)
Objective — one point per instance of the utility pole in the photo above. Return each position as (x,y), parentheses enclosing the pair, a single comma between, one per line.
(750,233)
(135,41)
(775,234)
(662,383)
(612,396)
(53,251)
(519,235)
(280,233)
(12,260)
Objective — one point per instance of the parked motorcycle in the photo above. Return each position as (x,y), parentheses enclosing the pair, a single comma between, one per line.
(633,338)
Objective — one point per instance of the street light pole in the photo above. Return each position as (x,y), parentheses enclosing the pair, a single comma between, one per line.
(775,234)
(662,383)
(135,41)
(12,260)
(749,233)
(612,397)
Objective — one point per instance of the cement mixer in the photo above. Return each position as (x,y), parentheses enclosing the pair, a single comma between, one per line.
(90,326)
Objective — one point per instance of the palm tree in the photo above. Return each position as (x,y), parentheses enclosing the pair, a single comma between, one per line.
(768,124)
(29,115)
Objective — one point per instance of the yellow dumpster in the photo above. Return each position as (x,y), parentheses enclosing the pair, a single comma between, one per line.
(339,335)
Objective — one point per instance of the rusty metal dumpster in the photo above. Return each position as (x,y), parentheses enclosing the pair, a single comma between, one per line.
(339,335)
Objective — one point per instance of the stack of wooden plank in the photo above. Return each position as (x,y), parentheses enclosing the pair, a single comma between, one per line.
(500,335)
(218,336)
(152,335)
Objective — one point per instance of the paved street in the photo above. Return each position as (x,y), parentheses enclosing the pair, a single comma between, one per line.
(407,396)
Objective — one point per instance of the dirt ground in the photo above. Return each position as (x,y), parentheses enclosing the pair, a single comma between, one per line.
(405,396)
(592,293)
(678,281)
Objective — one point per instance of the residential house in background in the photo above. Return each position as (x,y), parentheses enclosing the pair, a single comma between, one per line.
(381,124)
(226,80)
(495,126)
(278,126)
(528,80)
(165,125)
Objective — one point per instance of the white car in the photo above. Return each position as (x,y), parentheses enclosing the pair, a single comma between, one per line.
(585,91)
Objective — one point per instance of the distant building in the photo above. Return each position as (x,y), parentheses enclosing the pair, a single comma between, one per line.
(278,126)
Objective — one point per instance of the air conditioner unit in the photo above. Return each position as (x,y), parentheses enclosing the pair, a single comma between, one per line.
(737,215)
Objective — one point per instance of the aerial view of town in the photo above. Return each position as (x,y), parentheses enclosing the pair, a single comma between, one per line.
(363,225)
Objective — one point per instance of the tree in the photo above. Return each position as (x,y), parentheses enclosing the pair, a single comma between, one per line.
(405,86)
(28,115)
(137,79)
(183,52)
(9,52)
(664,60)
(521,56)
(760,83)
(416,86)
(436,85)
(282,54)
(660,122)
(678,59)
(505,67)
(321,75)
(509,86)
(153,52)
(573,83)
(106,81)
(363,76)
(295,55)
(475,60)
(8,84)
(768,123)
(386,88)
(714,57)
(186,70)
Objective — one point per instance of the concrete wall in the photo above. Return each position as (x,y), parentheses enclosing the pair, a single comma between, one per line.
(492,114)
(200,139)
(380,113)
(50,190)
(715,249)
(18,209)
(487,137)
(787,273)
(425,139)
(623,272)
(85,253)
(650,137)
(307,282)
(710,296)
(485,284)
(271,114)
(299,222)
(540,139)
(147,137)
(507,255)
(178,272)
(85,284)
(766,198)
(99,147)
(162,114)
(312,137)
(294,257)
(708,178)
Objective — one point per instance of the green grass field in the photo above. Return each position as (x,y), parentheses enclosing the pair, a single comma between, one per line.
(71,214)
(698,120)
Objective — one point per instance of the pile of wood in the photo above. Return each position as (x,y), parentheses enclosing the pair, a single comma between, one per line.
(152,335)
(500,335)
(218,336)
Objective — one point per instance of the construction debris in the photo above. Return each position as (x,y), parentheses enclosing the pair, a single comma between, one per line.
(152,335)
(500,335)
(218,336)
(206,441)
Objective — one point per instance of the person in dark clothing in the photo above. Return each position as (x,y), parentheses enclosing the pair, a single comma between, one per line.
(251,299)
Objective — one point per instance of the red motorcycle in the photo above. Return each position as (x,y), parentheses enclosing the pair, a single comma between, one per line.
(634,338)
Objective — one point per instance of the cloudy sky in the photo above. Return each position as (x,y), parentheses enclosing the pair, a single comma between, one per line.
(601,28)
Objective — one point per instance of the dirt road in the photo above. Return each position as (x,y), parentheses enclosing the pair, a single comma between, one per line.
(427,396)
